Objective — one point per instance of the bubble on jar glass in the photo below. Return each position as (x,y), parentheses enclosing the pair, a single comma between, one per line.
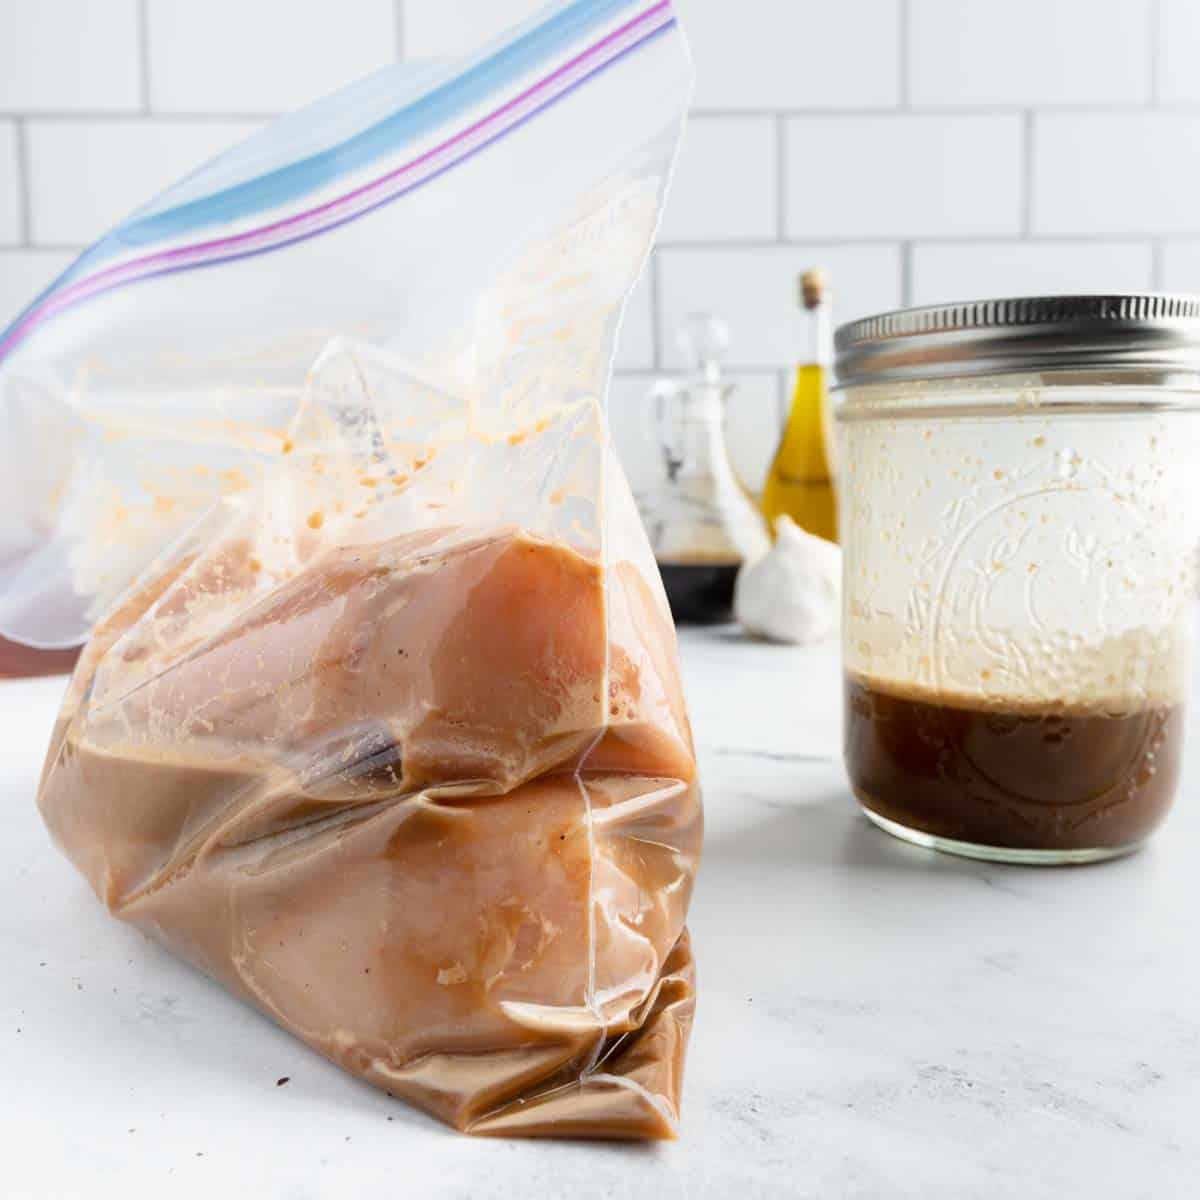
(1067,463)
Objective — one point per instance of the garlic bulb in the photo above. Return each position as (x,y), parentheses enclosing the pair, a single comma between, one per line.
(793,593)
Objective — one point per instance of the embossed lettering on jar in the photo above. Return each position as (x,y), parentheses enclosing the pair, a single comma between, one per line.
(1019,499)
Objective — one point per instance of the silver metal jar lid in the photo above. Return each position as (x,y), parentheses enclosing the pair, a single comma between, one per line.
(1133,331)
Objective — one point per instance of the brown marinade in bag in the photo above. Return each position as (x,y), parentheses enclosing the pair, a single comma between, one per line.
(380,721)
(428,802)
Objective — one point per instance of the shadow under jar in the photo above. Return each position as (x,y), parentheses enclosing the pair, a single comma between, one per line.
(1019,488)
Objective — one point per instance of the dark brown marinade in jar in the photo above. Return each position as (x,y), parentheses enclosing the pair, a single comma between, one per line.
(1031,778)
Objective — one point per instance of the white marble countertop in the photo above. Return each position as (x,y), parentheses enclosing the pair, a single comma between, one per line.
(873,1019)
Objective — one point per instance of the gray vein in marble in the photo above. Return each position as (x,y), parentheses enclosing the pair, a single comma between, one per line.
(771,755)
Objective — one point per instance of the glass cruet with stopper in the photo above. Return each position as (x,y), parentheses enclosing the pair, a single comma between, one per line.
(701,523)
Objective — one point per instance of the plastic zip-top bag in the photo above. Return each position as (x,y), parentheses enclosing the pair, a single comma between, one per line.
(380,720)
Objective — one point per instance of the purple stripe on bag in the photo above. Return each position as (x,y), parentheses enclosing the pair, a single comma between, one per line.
(362,200)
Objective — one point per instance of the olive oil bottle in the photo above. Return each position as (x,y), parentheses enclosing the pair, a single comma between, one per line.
(800,482)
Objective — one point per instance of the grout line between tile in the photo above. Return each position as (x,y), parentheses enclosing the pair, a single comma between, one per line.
(1157,252)
(903,65)
(781,180)
(24,183)
(143,36)
(1083,108)
(1106,237)
(399,17)
(732,369)
(755,368)
(770,371)
(1080,110)
(135,117)
(906,264)
(1027,130)
(1155,55)
(58,247)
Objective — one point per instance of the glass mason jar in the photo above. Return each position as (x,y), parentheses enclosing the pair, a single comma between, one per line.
(1020,495)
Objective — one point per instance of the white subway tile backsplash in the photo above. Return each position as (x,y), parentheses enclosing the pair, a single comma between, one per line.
(211,57)
(754,289)
(23,274)
(85,176)
(942,272)
(1029,52)
(10,185)
(752,428)
(794,53)
(635,345)
(437,29)
(903,176)
(866,97)
(1181,266)
(1116,173)
(69,55)
(725,182)
(1179,51)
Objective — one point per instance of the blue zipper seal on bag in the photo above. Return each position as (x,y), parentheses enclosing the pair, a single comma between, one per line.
(429,111)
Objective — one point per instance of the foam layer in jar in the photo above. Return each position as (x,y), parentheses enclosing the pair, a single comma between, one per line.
(1019,553)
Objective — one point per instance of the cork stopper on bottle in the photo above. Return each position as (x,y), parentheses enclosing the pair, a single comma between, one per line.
(814,284)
